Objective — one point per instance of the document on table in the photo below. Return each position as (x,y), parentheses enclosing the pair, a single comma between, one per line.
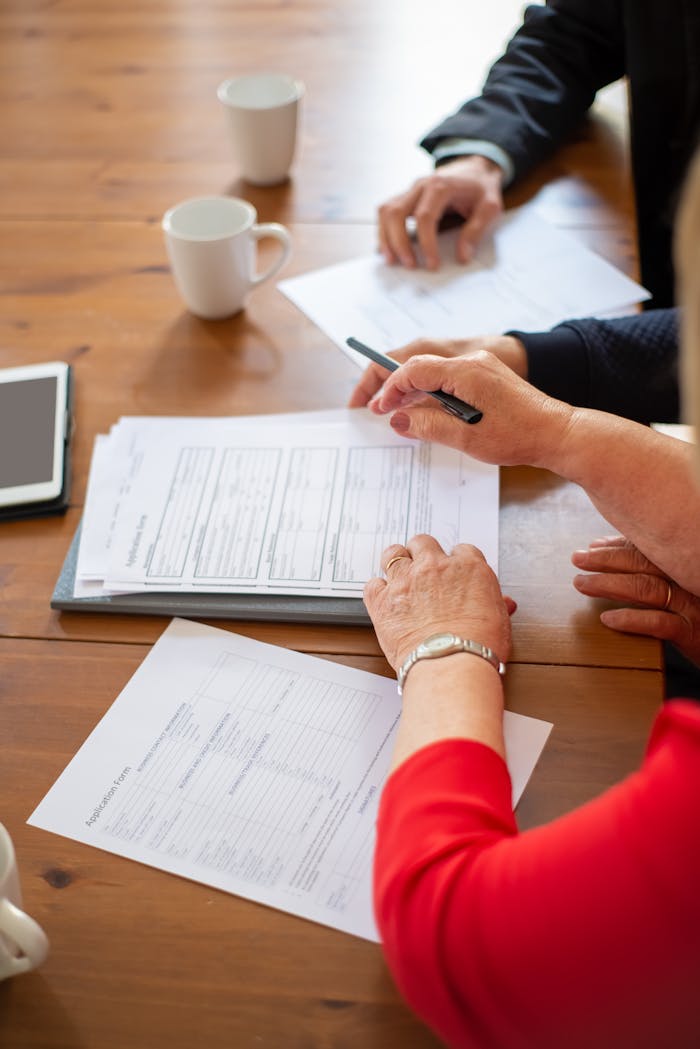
(250,768)
(681,431)
(527,275)
(271,505)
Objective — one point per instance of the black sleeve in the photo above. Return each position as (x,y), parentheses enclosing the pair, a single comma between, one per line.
(540,89)
(627,366)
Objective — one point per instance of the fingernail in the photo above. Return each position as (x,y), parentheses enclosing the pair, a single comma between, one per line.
(400,422)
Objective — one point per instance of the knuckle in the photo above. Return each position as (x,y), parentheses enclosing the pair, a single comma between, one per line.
(647,589)
(439,183)
(419,347)
(392,209)
(370,592)
(426,215)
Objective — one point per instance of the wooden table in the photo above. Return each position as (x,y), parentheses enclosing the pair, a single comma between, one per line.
(109,116)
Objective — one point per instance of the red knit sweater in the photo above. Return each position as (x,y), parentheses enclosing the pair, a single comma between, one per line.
(581,934)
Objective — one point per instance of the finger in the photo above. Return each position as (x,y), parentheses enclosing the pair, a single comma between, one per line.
(427,235)
(665,626)
(610,540)
(412,349)
(427,423)
(468,552)
(511,605)
(394,550)
(484,215)
(638,588)
(424,373)
(394,240)
(613,558)
(424,546)
(432,205)
(372,592)
(372,380)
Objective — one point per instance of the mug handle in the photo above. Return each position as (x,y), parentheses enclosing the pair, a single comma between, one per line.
(27,934)
(280,233)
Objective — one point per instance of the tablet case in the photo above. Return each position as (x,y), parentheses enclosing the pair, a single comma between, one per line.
(281,608)
(59,504)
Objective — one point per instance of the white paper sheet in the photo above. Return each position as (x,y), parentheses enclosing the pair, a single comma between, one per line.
(527,275)
(681,431)
(250,768)
(270,505)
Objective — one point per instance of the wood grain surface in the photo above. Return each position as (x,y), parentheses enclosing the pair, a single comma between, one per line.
(109,116)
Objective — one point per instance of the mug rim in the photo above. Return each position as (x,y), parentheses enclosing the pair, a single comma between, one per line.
(7,854)
(168,221)
(296,90)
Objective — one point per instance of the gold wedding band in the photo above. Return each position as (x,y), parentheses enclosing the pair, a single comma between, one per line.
(669,595)
(397,557)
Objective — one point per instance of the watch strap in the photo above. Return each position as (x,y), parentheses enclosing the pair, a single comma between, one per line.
(473,648)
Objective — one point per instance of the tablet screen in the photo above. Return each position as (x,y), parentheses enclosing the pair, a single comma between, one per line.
(27,431)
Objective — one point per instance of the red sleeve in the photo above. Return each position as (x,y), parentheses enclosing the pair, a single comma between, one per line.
(582,933)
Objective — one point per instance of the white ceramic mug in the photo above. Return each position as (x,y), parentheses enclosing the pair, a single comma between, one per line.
(23,943)
(262,110)
(212,246)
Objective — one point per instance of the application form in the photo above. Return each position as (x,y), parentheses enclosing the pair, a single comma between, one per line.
(277,508)
(250,768)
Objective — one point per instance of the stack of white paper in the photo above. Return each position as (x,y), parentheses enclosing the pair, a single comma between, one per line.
(300,504)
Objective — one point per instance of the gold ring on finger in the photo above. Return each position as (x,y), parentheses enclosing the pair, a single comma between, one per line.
(392,561)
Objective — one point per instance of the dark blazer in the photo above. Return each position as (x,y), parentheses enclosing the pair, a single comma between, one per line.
(540,89)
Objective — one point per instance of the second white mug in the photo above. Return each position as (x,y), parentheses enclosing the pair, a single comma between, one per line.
(212,247)
(262,110)
(23,943)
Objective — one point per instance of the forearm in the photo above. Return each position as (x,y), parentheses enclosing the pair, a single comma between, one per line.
(546,80)
(627,366)
(640,481)
(456,697)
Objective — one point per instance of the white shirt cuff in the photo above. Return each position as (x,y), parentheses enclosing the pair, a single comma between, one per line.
(465,147)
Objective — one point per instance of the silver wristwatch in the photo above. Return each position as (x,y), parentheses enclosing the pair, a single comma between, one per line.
(446,645)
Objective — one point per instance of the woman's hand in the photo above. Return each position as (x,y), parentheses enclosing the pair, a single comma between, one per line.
(657,606)
(520,424)
(469,186)
(506,347)
(427,591)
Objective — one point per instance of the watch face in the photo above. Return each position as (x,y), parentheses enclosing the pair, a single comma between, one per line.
(437,644)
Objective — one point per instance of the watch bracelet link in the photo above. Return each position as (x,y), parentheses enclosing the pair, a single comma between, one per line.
(452,645)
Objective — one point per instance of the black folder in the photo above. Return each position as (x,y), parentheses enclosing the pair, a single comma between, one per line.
(269,608)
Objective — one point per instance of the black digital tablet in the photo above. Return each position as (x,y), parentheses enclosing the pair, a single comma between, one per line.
(35,428)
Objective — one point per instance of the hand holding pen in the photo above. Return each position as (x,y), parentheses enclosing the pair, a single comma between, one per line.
(451,404)
(519,424)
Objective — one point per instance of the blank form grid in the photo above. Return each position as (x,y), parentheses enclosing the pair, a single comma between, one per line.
(247,778)
(375,510)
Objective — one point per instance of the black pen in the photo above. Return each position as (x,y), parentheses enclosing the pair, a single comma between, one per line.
(451,404)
